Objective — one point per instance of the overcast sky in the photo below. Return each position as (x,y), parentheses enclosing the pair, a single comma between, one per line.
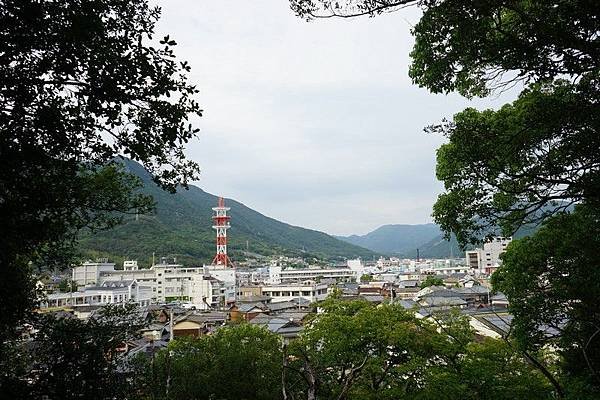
(315,124)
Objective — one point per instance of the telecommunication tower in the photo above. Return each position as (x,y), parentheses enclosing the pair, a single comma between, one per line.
(221,224)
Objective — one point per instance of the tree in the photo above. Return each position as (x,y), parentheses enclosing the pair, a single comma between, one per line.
(237,362)
(354,350)
(67,285)
(525,163)
(366,278)
(432,281)
(522,163)
(82,83)
(69,358)
(553,285)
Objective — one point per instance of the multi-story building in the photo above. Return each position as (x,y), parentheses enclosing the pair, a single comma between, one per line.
(285,292)
(88,273)
(487,260)
(174,282)
(110,292)
(352,272)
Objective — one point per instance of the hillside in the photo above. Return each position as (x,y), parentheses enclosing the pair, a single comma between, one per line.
(181,227)
(404,240)
(395,239)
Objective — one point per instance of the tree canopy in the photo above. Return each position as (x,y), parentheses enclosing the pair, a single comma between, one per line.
(524,164)
(83,82)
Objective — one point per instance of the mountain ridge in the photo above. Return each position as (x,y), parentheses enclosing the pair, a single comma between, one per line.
(182,228)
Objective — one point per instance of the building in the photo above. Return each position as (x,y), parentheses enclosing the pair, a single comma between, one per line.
(487,259)
(444,267)
(309,291)
(174,282)
(278,275)
(88,273)
(110,292)
(350,273)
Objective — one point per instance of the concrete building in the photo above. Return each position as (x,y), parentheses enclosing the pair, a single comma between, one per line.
(487,259)
(174,282)
(111,292)
(309,291)
(352,272)
(88,273)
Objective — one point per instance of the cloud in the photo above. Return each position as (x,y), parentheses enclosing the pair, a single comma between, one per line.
(316,124)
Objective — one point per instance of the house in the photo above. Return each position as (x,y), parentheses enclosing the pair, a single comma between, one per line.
(377,288)
(499,300)
(286,328)
(198,324)
(442,303)
(277,308)
(247,311)
(474,295)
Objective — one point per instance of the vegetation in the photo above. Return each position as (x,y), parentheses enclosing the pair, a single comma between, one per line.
(83,82)
(71,358)
(67,285)
(432,281)
(181,227)
(524,164)
(353,350)
(238,362)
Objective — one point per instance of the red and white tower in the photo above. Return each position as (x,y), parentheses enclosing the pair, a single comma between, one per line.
(221,224)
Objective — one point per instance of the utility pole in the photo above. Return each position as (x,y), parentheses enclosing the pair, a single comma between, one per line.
(170,324)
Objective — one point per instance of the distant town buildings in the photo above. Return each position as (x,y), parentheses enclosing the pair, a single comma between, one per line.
(487,260)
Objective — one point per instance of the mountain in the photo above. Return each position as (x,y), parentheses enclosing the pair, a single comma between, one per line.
(404,240)
(395,239)
(182,228)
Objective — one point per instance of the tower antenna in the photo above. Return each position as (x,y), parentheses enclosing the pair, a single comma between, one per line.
(221,224)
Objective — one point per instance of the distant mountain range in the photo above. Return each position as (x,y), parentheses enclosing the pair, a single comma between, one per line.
(404,240)
(182,228)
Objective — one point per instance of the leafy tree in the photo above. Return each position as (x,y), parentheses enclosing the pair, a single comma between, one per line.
(521,163)
(82,83)
(354,350)
(70,358)
(67,285)
(237,362)
(432,281)
(366,278)
(554,288)
(524,163)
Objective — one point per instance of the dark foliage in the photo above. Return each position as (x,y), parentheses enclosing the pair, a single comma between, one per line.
(81,83)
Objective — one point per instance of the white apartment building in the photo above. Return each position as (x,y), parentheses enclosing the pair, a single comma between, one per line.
(278,275)
(88,273)
(352,272)
(110,292)
(446,269)
(174,282)
(487,260)
(286,292)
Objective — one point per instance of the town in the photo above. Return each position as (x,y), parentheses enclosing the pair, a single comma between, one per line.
(301,199)
(195,301)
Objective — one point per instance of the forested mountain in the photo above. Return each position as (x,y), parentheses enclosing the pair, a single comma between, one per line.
(181,227)
(395,239)
(404,240)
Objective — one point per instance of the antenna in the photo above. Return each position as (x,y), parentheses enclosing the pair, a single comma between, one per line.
(221,224)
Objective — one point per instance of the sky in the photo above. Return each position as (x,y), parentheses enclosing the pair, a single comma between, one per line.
(316,124)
